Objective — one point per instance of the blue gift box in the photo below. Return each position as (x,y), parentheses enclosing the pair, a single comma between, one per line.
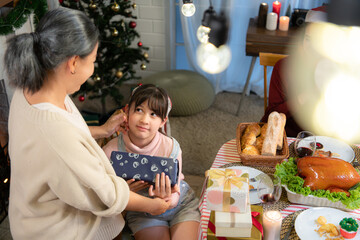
(144,167)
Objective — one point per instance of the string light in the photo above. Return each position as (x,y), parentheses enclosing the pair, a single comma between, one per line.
(212,59)
(188,8)
(214,56)
(204,29)
(324,80)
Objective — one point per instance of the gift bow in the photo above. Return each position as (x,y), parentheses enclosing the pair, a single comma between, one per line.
(227,177)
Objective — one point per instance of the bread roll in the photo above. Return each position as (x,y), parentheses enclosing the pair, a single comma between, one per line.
(248,139)
(253,128)
(272,134)
(281,134)
(251,150)
(263,130)
(249,135)
(259,142)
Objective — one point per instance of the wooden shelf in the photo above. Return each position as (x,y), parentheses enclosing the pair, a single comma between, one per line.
(263,40)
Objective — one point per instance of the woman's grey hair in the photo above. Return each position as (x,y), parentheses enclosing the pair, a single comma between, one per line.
(60,34)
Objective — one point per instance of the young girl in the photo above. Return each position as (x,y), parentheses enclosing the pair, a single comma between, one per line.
(147,112)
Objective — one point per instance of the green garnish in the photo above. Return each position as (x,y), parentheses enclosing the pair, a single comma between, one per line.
(287,172)
(349,224)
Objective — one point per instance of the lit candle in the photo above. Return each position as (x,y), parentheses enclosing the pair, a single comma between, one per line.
(272,225)
(263,10)
(271,21)
(284,23)
(276,7)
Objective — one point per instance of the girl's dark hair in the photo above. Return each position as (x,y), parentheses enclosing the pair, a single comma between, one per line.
(158,99)
(60,34)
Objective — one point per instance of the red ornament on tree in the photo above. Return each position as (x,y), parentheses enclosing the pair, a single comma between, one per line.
(140,44)
(81,98)
(61,1)
(132,24)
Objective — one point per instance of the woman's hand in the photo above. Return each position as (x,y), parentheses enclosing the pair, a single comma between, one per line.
(136,186)
(116,122)
(163,187)
(158,206)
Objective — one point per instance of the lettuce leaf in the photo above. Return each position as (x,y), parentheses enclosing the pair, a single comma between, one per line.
(287,171)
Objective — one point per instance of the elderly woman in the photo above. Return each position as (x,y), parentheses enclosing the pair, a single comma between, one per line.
(62,184)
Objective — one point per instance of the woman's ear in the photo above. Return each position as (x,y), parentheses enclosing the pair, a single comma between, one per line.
(71,64)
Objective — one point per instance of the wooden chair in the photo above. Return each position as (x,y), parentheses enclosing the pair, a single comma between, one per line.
(268,59)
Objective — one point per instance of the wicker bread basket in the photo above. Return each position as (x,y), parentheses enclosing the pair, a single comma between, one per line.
(260,160)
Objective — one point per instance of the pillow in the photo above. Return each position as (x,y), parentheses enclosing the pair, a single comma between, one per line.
(190,92)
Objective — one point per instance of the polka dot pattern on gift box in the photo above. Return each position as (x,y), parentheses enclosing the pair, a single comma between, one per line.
(143,162)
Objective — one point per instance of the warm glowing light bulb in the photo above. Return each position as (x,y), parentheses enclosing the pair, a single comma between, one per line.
(212,59)
(324,82)
(188,9)
(202,34)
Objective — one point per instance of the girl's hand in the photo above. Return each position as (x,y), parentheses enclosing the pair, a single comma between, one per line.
(162,187)
(136,186)
(175,189)
(158,206)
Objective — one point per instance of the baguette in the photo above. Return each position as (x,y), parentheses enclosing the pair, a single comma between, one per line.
(281,134)
(272,134)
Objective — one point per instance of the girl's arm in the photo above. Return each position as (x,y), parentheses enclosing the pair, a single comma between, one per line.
(154,206)
(136,186)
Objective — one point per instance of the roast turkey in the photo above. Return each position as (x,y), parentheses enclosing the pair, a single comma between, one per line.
(326,173)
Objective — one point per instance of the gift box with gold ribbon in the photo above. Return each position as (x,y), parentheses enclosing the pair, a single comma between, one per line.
(231,224)
(256,230)
(227,190)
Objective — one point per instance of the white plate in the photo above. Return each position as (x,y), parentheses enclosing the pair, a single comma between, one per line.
(305,223)
(254,199)
(339,148)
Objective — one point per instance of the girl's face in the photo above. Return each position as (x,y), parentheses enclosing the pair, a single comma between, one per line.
(143,124)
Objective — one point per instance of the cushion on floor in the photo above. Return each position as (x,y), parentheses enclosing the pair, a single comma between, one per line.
(190,92)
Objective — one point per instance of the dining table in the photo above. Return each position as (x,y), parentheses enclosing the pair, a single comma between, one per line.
(228,156)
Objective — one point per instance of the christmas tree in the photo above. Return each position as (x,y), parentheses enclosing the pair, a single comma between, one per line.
(19,14)
(120,48)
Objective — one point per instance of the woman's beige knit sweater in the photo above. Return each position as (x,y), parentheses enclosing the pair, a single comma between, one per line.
(62,184)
